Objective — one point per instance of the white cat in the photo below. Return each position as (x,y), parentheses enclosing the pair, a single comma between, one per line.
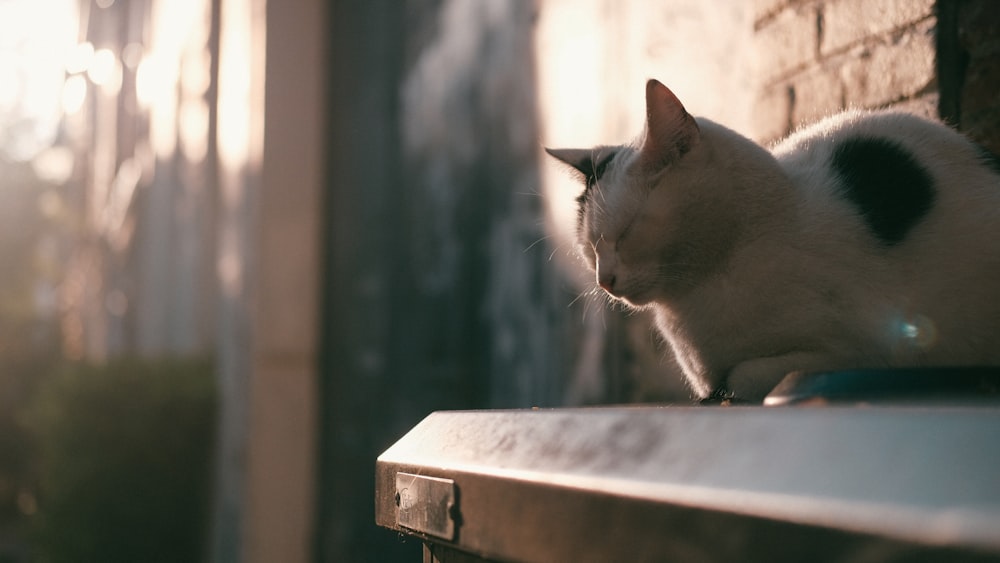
(871,239)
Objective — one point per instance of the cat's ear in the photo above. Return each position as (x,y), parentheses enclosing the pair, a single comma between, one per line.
(580,159)
(670,130)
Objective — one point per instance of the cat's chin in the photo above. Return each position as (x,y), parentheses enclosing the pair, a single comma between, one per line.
(633,300)
(638,305)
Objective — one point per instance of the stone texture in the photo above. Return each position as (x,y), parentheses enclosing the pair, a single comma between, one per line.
(771,118)
(787,43)
(819,92)
(764,10)
(884,73)
(846,22)
(818,57)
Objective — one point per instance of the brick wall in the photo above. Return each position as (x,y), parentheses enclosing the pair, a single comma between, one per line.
(818,57)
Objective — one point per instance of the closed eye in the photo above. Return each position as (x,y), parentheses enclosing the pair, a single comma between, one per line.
(597,170)
(592,175)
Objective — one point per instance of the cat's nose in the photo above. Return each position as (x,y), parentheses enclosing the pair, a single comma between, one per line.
(607,283)
(607,264)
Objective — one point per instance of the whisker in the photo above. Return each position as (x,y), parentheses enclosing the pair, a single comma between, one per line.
(593,299)
(577,298)
(600,191)
(532,245)
(556,249)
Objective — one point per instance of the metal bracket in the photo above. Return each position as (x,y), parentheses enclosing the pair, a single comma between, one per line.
(426,504)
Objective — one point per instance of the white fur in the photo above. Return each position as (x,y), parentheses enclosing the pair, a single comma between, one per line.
(755,267)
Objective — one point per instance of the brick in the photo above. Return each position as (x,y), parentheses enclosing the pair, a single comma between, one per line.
(879,74)
(787,42)
(771,115)
(818,93)
(924,106)
(765,9)
(846,22)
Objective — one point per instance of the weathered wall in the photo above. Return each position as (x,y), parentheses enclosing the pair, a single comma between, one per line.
(937,59)
(818,57)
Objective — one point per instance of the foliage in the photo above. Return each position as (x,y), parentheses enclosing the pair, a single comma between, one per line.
(20,374)
(33,258)
(125,461)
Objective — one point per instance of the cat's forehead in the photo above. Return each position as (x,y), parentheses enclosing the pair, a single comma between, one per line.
(611,163)
(610,156)
(610,197)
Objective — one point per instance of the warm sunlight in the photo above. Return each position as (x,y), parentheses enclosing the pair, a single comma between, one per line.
(36,37)
(590,84)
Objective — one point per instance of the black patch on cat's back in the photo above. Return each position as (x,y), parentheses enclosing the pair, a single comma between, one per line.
(886,183)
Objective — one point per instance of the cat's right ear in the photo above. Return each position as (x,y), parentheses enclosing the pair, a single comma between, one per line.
(579,159)
(670,130)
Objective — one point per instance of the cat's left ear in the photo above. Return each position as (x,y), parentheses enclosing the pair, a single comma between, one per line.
(670,130)
(580,159)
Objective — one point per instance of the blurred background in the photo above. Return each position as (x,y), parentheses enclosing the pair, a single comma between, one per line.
(245,245)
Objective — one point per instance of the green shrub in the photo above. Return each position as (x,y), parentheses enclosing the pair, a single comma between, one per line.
(125,468)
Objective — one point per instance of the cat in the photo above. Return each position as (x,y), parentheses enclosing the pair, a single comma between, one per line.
(867,240)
